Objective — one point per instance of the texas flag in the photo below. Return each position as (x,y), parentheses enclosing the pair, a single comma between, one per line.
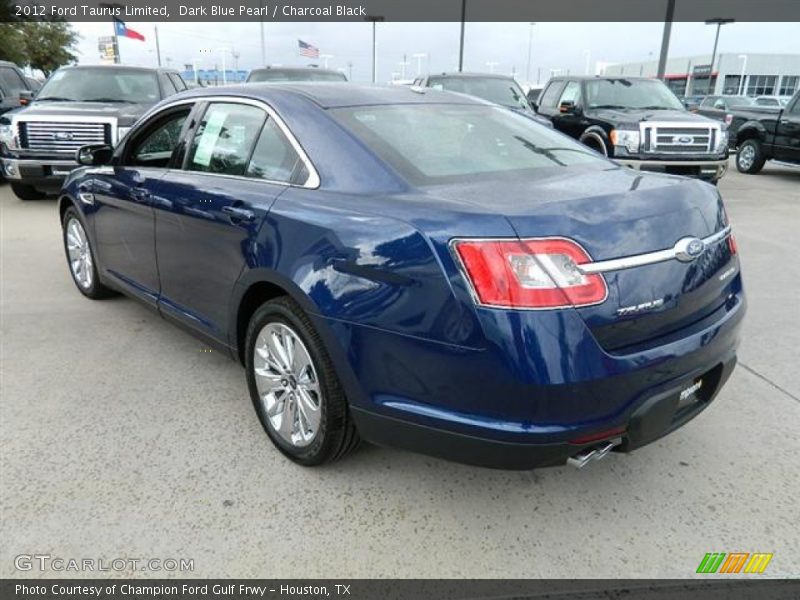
(122,31)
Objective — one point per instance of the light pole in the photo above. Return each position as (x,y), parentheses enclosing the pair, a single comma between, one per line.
(588,55)
(261,23)
(492,64)
(195,62)
(374,19)
(719,23)
(530,43)
(461,41)
(403,66)
(419,56)
(741,77)
(326,58)
(224,74)
(350,70)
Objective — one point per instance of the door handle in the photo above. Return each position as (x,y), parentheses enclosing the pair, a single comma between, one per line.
(236,213)
(140,194)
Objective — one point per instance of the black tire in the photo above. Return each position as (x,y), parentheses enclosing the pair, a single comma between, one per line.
(595,143)
(750,157)
(95,290)
(336,435)
(23,191)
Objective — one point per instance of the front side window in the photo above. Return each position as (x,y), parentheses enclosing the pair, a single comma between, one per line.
(225,138)
(275,159)
(177,81)
(166,85)
(429,144)
(571,93)
(153,147)
(11,81)
(101,84)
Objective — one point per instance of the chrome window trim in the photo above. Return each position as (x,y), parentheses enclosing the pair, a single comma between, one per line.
(650,258)
(313,181)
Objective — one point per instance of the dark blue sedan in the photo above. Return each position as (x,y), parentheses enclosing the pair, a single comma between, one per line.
(417,269)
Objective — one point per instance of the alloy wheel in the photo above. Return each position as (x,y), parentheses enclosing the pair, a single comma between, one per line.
(747,157)
(287,383)
(80,254)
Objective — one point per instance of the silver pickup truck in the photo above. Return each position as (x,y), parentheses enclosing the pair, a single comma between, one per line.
(77,106)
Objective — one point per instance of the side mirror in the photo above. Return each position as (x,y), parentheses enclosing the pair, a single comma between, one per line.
(95,155)
(534,105)
(568,108)
(26,97)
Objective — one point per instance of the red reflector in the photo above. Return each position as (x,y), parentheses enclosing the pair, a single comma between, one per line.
(533,273)
(598,436)
(732,244)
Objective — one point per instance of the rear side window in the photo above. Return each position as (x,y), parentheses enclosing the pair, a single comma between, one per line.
(225,138)
(550,94)
(709,101)
(275,159)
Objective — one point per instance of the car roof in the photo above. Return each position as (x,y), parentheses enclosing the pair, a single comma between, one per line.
(600,78)
(468,75)
(338,94)
(119,67)
(295,70)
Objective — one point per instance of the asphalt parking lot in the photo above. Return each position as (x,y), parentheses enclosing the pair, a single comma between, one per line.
(122,437)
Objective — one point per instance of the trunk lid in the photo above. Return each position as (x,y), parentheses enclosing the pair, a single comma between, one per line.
(618,213)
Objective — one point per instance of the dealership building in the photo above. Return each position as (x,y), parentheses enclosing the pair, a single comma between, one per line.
(749,74)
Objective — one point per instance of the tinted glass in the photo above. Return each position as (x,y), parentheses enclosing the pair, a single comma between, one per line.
(274,158)
(505,92)
(167,87)
(225,137)
(630,93)
(571,93)
(550,94)
(178,81)
(430,144)
(276,75)
(709,101)
(154,146)
(11,81)
(101,85)
(739,101)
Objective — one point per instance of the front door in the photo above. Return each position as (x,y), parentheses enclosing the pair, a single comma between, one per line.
(124,195)
(787,133)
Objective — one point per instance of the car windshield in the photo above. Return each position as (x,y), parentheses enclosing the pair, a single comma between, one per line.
(630,93)
(505,92)
(277,75)
(101,85)
(429,144)
(739,101)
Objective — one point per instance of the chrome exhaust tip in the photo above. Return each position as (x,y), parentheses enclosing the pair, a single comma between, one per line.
(584,457)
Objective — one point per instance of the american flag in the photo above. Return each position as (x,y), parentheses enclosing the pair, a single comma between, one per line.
(308,50)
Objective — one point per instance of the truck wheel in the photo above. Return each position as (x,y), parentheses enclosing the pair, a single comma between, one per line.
(595,142)
(750,158)
(26,192)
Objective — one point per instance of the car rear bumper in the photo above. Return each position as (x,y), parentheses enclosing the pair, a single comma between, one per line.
(478,406)
(703,169)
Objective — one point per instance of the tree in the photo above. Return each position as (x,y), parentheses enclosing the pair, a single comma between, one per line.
(49,45)
(12,44)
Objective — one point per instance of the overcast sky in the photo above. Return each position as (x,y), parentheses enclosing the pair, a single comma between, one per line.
(555,45)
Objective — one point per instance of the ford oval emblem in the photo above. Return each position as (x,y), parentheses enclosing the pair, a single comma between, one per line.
(62,136)
(689,248)
(683,140)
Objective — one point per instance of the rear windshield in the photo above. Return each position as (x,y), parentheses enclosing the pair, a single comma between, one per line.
(308,75)
(505,92)
(444,143)
(739,101)
(101,85)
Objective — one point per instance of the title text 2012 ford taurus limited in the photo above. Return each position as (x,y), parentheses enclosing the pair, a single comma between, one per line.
(417,269)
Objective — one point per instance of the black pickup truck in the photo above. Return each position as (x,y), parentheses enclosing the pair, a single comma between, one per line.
(763,134)
(638,122)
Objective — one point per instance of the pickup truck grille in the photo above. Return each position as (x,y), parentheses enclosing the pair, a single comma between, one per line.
(62,138)
(679,139)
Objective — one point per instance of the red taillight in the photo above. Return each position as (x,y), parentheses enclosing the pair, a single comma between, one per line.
(603,435)
(534,273)
(732,244)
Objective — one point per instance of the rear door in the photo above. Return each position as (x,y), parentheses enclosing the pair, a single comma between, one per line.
(124,196)
(787,133)
(237,163)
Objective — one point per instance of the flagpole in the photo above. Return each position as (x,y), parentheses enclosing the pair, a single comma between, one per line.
(158,47)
